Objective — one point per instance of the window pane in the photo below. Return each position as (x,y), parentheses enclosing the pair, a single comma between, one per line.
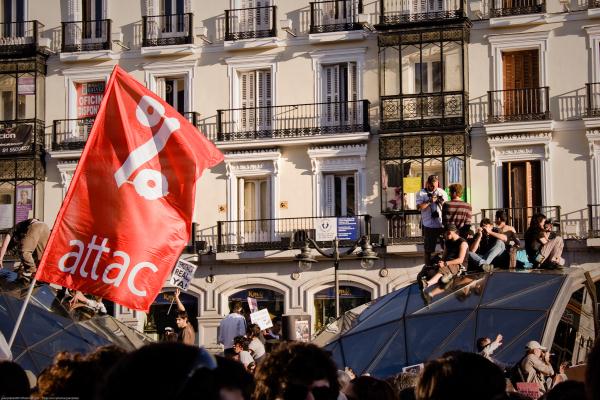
(338,196)
(180,96)
(170,91)
(390,62)
(410,57)
(350,201)
(455,171)
(453,72)
(264,200)
(7,91)
(6,205)
(436,76)
(249,198)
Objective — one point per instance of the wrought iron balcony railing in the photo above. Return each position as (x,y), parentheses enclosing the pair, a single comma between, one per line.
(165,30)
(335,15)
(519,217)
(404,227)
(593,3)
(594,220)
(283,233)
(506,8)
(446,110)
(298,120)
(86,35)
(72,134)
(400,12)
(593,99)
(250,23)
(19,38)
(529,104)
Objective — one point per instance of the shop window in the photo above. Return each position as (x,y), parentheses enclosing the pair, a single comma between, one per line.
(350,297)
(164,311)
(265,298)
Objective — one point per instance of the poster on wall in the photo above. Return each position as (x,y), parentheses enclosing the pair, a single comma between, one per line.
(302,330)
(24,202)
(16,140)
(6,216)
(26,85)
(89,97)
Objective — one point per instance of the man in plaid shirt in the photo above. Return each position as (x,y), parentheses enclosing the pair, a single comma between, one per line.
(456,211)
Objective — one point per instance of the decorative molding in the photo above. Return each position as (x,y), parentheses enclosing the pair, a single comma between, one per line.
(519,41)
(593,137)
(521,147)
(66,170)
(593,33)
(347,158)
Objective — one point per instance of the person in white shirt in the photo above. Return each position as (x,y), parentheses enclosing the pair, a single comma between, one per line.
(256,347)
(232,326)
(430,201)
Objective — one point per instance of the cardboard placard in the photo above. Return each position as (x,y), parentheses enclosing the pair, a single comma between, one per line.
(529,389)
(262,319)
(182,274)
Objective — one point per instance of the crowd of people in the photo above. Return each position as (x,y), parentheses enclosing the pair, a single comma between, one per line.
(491,244)
(292,371)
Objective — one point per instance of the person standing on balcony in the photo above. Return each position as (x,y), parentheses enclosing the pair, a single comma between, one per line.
(456,211)
(430,201)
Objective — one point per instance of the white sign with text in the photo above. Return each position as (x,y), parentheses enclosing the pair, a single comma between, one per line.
(326,229)
(182,274)
(262,319)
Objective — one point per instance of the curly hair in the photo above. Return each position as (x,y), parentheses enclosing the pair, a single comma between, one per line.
(294,364)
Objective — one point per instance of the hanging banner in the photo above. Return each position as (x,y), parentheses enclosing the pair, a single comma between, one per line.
(16,140)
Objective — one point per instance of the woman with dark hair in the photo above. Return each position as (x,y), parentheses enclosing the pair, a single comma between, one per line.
(544,248)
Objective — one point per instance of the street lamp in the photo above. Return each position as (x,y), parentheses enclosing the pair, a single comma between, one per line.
(367,259)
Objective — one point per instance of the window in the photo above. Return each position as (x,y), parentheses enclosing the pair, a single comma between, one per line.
(339,90)
(428,76)
(172,13)
(254,16)
(92,13)
(255,99)
(255,202)
(14,11)
(17,96)
(173,91)
(407,161)
(340,195)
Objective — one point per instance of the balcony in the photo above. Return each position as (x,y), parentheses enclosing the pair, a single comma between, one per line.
(593,3)
(507,8)
(250,23)
(86,36)
(335,16)
(519,217)
(530,104)
(167,30)
(427,111)
(72,134)
(404,228)
(283,233)
(19,38)
(395,13)
(293,122)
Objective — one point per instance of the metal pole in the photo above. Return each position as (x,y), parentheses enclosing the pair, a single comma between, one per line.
(336,265)
(21,313)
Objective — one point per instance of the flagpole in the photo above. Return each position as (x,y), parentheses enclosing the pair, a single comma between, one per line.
(21,314)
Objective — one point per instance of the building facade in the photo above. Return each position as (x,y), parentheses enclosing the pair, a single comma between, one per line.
(334,108)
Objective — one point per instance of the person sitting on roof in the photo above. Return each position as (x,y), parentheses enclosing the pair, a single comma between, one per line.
(488,243)
(544,248)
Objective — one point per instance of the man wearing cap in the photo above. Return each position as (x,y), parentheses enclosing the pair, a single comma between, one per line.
(536,367)
(430,201)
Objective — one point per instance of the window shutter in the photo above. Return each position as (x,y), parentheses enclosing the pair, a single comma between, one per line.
(247,96)
(331,93)
(329,203)
(73,34)
(150,8)
(264,98)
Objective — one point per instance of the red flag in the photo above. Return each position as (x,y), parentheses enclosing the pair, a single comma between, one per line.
(128,212)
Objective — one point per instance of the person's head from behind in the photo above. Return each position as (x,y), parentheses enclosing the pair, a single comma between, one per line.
(483,342)
(13,380)
(432,183)
(501,218)
(369,388)
(253,331)
(537,221)
(567,390)
(181,319)
(174,380)
(456,190)
(451,232)
(236,307)
(296,370)
(461,375)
